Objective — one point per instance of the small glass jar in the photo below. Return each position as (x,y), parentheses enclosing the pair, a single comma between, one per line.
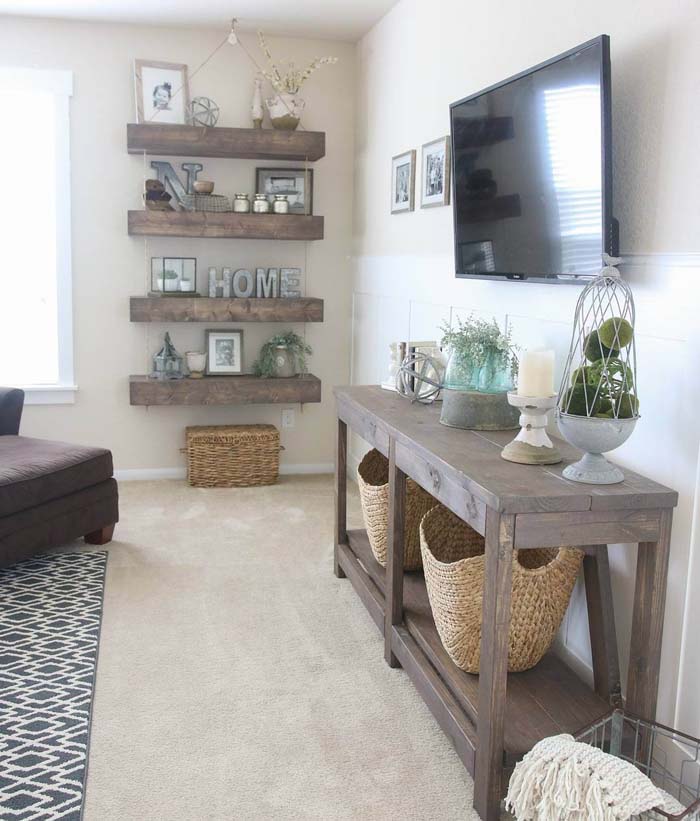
(281,204)
(261,205)
(241,204)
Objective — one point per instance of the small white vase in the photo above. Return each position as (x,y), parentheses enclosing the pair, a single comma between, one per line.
(285,110)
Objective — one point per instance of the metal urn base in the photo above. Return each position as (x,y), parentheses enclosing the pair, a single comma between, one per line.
(472,410)
(594,469)
(595,436)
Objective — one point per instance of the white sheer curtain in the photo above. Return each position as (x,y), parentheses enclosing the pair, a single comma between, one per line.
(35,275)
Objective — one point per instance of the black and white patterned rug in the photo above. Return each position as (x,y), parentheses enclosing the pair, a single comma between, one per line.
(50,618)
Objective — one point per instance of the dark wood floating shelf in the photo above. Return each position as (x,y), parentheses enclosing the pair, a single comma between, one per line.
(245,389)
(547,700)
(207,309)
(233,143)
(224,225)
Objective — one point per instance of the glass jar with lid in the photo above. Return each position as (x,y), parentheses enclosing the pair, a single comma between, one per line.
(241,204)
(261,204)
(281,204)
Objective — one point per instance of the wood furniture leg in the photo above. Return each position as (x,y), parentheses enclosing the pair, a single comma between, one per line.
(393,609)
(341,498)
(493,666)
(601,624)
(101,536)
(648,621)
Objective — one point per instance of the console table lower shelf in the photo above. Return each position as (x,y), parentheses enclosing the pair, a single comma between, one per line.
(540,702)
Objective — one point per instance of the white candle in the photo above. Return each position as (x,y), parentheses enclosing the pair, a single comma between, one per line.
(536,373)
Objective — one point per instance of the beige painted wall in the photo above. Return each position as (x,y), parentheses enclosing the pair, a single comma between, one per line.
(416,61)
(109,266)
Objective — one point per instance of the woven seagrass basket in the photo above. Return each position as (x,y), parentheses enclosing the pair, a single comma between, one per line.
(453,561)
(232,455)
(373,480)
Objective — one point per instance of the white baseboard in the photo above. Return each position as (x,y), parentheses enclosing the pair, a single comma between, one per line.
(151,474)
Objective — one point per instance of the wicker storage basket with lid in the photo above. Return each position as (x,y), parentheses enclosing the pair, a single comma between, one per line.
(453,562)
(232,455)
(373,481)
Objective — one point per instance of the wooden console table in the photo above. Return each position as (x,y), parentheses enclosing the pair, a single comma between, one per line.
(494,718)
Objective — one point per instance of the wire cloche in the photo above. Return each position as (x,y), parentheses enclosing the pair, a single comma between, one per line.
(598,404)
(419,377)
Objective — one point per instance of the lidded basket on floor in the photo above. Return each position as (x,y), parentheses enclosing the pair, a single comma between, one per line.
(454,561)
(373,481)
(232,455)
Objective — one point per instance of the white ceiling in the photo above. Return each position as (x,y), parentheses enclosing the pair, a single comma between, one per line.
(333,19)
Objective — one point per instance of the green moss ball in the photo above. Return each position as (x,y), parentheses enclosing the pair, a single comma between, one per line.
(594,349)
(575,401)
(581,375)
(615,330)
(627,406)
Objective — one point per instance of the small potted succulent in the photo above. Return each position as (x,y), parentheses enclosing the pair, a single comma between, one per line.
(283,355)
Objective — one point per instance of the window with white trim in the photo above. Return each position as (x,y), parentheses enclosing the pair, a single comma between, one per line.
(36,322)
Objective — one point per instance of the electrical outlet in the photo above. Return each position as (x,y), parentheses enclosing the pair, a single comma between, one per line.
(288,419)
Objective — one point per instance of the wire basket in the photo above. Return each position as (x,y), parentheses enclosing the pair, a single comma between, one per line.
(669,758)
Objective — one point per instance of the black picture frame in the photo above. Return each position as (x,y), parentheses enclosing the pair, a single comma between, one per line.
(262,186)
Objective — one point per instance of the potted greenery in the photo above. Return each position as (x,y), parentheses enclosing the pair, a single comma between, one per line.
(283,355)
(481,370)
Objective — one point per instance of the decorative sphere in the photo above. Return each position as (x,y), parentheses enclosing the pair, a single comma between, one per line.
(594,348)
(419,378)
(203,111)
(615,330)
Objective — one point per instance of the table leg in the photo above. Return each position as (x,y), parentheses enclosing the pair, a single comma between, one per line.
(393,608)
(341,497)
(601,624)
(493,668)
(648,621)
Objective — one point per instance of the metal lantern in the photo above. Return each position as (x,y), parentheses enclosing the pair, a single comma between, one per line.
(203,111)
(167,363)
(598,405)
(419,377)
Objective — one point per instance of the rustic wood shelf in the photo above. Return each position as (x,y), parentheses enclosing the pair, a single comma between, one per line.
(225,225)
(494,718)
(245,389)
(546,700)
(208,309)
(232,143)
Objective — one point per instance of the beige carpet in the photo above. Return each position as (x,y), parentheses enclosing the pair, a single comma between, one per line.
(239,679)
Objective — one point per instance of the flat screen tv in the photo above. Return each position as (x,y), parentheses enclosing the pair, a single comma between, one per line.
(532,172)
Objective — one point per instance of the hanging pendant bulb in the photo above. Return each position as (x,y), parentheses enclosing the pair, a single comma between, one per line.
(233,37)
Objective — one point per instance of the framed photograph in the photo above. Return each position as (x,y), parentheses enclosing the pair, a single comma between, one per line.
(173,275)
(162,92)
(403,182)
(435,182)
(296,183)
(225,352)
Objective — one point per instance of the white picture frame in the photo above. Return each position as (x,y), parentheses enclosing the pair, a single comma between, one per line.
(162,92)
(224,352)
(403,182)
(435,173)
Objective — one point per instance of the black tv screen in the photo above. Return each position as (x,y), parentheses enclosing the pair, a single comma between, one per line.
(532,171)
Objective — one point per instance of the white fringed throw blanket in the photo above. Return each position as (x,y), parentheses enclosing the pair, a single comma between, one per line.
(563,780)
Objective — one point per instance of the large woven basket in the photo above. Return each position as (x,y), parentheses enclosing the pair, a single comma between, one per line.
(232,455)
(453,561)
(373,480)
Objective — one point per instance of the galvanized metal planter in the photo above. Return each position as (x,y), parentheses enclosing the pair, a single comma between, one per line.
(473,410)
